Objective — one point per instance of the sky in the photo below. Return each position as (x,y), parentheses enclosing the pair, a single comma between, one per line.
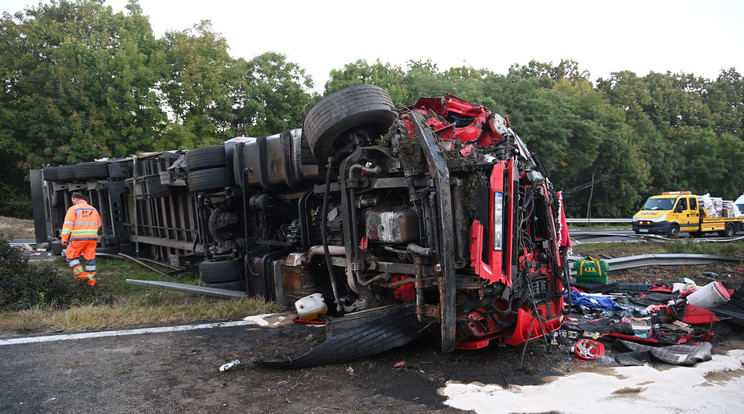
(698,37)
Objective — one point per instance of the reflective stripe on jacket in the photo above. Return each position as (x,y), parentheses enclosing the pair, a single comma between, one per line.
(81,223)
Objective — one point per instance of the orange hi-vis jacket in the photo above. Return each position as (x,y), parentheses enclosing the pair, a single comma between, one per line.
(81,223)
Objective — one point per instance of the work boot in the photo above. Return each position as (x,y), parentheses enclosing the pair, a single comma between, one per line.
(82,276)
(91,281)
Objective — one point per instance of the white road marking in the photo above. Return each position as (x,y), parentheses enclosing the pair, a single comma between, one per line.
(252,320)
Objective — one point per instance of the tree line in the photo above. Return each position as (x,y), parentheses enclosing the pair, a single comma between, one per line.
(81,82)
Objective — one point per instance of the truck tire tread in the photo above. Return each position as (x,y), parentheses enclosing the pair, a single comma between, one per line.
(341,111)
(220,271)
(208,179)
(205,157)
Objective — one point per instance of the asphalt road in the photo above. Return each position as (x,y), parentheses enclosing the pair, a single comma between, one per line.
(168,372)
(116,374)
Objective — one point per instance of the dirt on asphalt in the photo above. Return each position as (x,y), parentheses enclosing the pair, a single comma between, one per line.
(179,371)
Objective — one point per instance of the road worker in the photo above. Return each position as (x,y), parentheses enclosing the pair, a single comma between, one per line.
(80,235)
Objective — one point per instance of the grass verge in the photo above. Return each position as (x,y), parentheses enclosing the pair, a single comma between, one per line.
(15,228)
(683,246)
(113,304)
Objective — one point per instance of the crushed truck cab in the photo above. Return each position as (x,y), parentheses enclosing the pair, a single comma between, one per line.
(673,212)
(438,207)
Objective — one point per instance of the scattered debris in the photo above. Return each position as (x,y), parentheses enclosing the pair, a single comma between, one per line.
(709,296)
(734,308)
(629,359)
(588,349)
(675,354)
(345,342)
(590,270)
(604,303)
(310,307)
(229,365)
(648,322)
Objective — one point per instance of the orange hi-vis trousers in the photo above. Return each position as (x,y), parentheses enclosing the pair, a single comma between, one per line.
(86,248)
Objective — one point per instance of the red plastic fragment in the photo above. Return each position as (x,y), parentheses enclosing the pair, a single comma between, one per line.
(304,322)
(659,287)
(466,151)
(696,315)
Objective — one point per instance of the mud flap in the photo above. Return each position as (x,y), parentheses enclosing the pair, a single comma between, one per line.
(375,335)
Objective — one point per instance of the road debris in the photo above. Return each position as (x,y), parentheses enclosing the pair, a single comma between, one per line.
(229,365)
(648,322)
(588,349)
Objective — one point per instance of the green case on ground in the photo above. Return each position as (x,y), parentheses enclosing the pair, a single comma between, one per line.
(589,270)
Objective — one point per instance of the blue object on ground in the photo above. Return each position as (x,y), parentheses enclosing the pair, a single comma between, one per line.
(596,302)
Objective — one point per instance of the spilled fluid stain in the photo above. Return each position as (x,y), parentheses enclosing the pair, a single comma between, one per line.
(711,386)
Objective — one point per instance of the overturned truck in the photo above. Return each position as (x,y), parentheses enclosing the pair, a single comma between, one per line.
(438,206)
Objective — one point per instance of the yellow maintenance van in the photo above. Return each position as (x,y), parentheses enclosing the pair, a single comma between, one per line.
(676,211)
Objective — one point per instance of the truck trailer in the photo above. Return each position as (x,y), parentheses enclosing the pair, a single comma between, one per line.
(438,208)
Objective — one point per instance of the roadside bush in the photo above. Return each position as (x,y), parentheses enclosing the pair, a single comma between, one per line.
(14,201)
(24,285)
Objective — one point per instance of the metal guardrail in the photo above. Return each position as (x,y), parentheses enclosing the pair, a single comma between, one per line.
(583,234)
(599,220)
(672,259)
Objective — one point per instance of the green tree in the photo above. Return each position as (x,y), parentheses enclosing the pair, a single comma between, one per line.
(384,75)
(468,83)
(713,163)
(424,79)
(618,174)
(725,99)
(629,93)
(547,121)
(273,97)
(197,90)
(74,85)
(546,74)
(214,97)
(79,80)
(133,106)
(675,101)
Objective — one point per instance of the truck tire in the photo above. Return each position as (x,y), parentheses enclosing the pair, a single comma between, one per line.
(208,179)
(205,157)
(220,271)
(66,173)
(356,106)
(50,173)
(729,231)
(673,231)
(92,169)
